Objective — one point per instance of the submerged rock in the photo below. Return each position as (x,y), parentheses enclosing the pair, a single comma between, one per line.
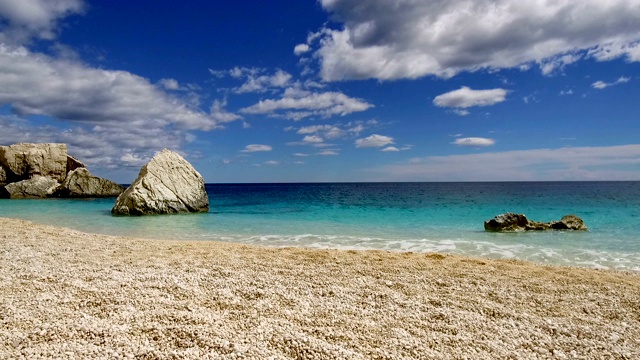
(510,222)
(80,183)
(167,184)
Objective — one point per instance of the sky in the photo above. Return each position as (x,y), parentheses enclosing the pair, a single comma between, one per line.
(331,90)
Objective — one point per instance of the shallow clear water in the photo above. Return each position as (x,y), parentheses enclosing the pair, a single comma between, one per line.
(444,217)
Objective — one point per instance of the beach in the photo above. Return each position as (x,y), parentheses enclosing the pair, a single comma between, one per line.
(69,294)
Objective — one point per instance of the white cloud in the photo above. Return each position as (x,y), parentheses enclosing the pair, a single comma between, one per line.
(169,84)
(257,148)
(134,160)
(551,65)
(312,139)
(107,117)
(461,112)
(387,40)
(602,85)
(219,114)
(328,152)
(568,163)
(326,131)
(67,90)
(465,98)
(257,82)
(23,20)
(301,49)
(390,149)
(374,140)
(272,162)
(474,141)
(300,104)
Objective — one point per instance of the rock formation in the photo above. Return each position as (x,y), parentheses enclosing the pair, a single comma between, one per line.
(167,184)
(37,186)
(24,161)
(510,222)
(80,183)
(41,170)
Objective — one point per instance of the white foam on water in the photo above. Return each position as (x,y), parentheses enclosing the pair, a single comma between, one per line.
(481,248)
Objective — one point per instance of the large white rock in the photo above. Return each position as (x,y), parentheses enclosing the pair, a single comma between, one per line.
(167,184)
(24,161)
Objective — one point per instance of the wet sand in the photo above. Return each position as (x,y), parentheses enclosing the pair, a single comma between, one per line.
(69,294)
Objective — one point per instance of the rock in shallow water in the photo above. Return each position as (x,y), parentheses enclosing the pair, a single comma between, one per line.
(167,184)
(510,222)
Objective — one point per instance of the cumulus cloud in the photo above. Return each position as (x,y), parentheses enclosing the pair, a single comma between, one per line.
(298,104)
(409,39)
(67,90)
(102,114)
(257,148)
(568,163)
(23,20)
(465,98)
(301,49)
(474,141)
(602,85)
(374,140)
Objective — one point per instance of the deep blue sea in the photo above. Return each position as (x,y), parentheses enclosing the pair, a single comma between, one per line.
(418,217)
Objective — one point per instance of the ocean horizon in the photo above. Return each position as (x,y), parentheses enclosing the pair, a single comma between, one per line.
(444,217)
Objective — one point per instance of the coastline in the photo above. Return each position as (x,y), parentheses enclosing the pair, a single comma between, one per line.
(73,294)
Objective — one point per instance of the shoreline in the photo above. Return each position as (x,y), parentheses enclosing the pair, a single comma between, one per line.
(74,294)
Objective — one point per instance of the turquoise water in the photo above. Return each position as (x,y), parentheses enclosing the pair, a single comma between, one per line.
(441,217)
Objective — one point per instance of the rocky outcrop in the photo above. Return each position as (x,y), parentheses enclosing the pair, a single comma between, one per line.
(510,222)
(24,161)
(35,187)
(41,170)
(167,184)
(80,183)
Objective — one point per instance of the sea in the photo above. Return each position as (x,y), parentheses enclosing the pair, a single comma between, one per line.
(445,217)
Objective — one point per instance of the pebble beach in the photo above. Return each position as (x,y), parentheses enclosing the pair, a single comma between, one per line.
(68,294)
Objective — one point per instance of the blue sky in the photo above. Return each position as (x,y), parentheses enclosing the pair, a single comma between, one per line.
(330,90)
